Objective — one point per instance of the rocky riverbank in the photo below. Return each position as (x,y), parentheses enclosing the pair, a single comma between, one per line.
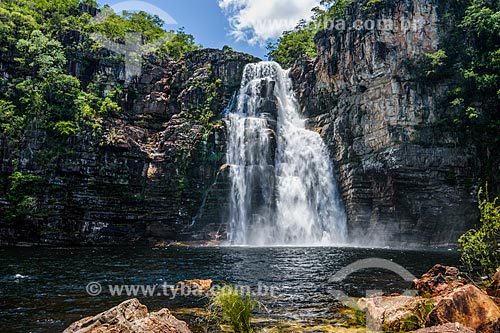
(446,302)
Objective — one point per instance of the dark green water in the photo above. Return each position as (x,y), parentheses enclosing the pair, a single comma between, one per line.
(44,290)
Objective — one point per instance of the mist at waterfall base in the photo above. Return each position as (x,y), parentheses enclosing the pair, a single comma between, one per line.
(283,190)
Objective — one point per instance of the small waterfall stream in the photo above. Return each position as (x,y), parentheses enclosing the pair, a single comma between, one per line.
(283,191)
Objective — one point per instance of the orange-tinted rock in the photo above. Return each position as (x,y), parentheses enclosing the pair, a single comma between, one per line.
(130,317)
(439,280)
(494,289)
(468,306)
(195,285)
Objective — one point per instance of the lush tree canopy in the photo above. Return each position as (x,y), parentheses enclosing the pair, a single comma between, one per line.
(299,42)
(36,42)
(475,69)
(293,45)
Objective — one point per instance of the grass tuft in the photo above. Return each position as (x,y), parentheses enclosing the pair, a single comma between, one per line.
(233,307)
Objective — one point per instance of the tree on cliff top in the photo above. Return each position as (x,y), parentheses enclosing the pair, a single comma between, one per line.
(299,42)
(293,45)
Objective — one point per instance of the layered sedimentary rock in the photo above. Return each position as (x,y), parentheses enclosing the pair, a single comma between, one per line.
(149,174)
(404,178)
(153,173)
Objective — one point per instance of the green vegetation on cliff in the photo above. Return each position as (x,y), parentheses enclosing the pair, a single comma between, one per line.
(53,91)
(299,42)
(293,45)
(38,42)
(474,69)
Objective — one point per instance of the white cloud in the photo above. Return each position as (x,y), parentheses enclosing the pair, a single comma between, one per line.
(257,21)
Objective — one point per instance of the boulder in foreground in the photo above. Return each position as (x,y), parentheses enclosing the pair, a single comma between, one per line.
(494,289)
(469,306)
(130,317)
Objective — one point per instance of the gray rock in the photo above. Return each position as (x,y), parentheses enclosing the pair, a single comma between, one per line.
(404,179)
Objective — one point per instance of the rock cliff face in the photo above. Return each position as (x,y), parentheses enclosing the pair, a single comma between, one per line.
(148,175)
(404,178)
(155,173)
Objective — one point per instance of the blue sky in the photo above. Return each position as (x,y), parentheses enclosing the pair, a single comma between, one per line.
(245,25)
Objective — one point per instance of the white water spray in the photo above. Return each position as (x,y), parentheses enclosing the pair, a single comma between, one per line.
(283,190)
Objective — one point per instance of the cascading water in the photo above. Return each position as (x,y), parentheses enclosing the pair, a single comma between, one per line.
(282,186)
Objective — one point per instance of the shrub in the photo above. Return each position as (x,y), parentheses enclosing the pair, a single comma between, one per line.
(11,124)
(360,318)
(21,195)
(40,56)
(480,250)
(65,127)
(293,45)
(436,60)
(21,184)
(178,44)
(233,307)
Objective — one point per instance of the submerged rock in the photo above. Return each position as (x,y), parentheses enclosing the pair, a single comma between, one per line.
(439,280)
(446,328)
(469,306)
(130,317)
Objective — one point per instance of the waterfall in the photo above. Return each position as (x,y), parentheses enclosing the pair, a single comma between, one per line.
(283,191)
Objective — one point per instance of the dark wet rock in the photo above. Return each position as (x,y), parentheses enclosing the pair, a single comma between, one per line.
(151,173)
(494,289)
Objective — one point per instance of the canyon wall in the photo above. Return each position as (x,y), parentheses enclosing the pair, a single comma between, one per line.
(405,177)
(149,174)
(155,173)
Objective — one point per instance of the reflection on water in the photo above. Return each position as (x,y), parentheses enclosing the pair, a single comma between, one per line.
(43,290)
